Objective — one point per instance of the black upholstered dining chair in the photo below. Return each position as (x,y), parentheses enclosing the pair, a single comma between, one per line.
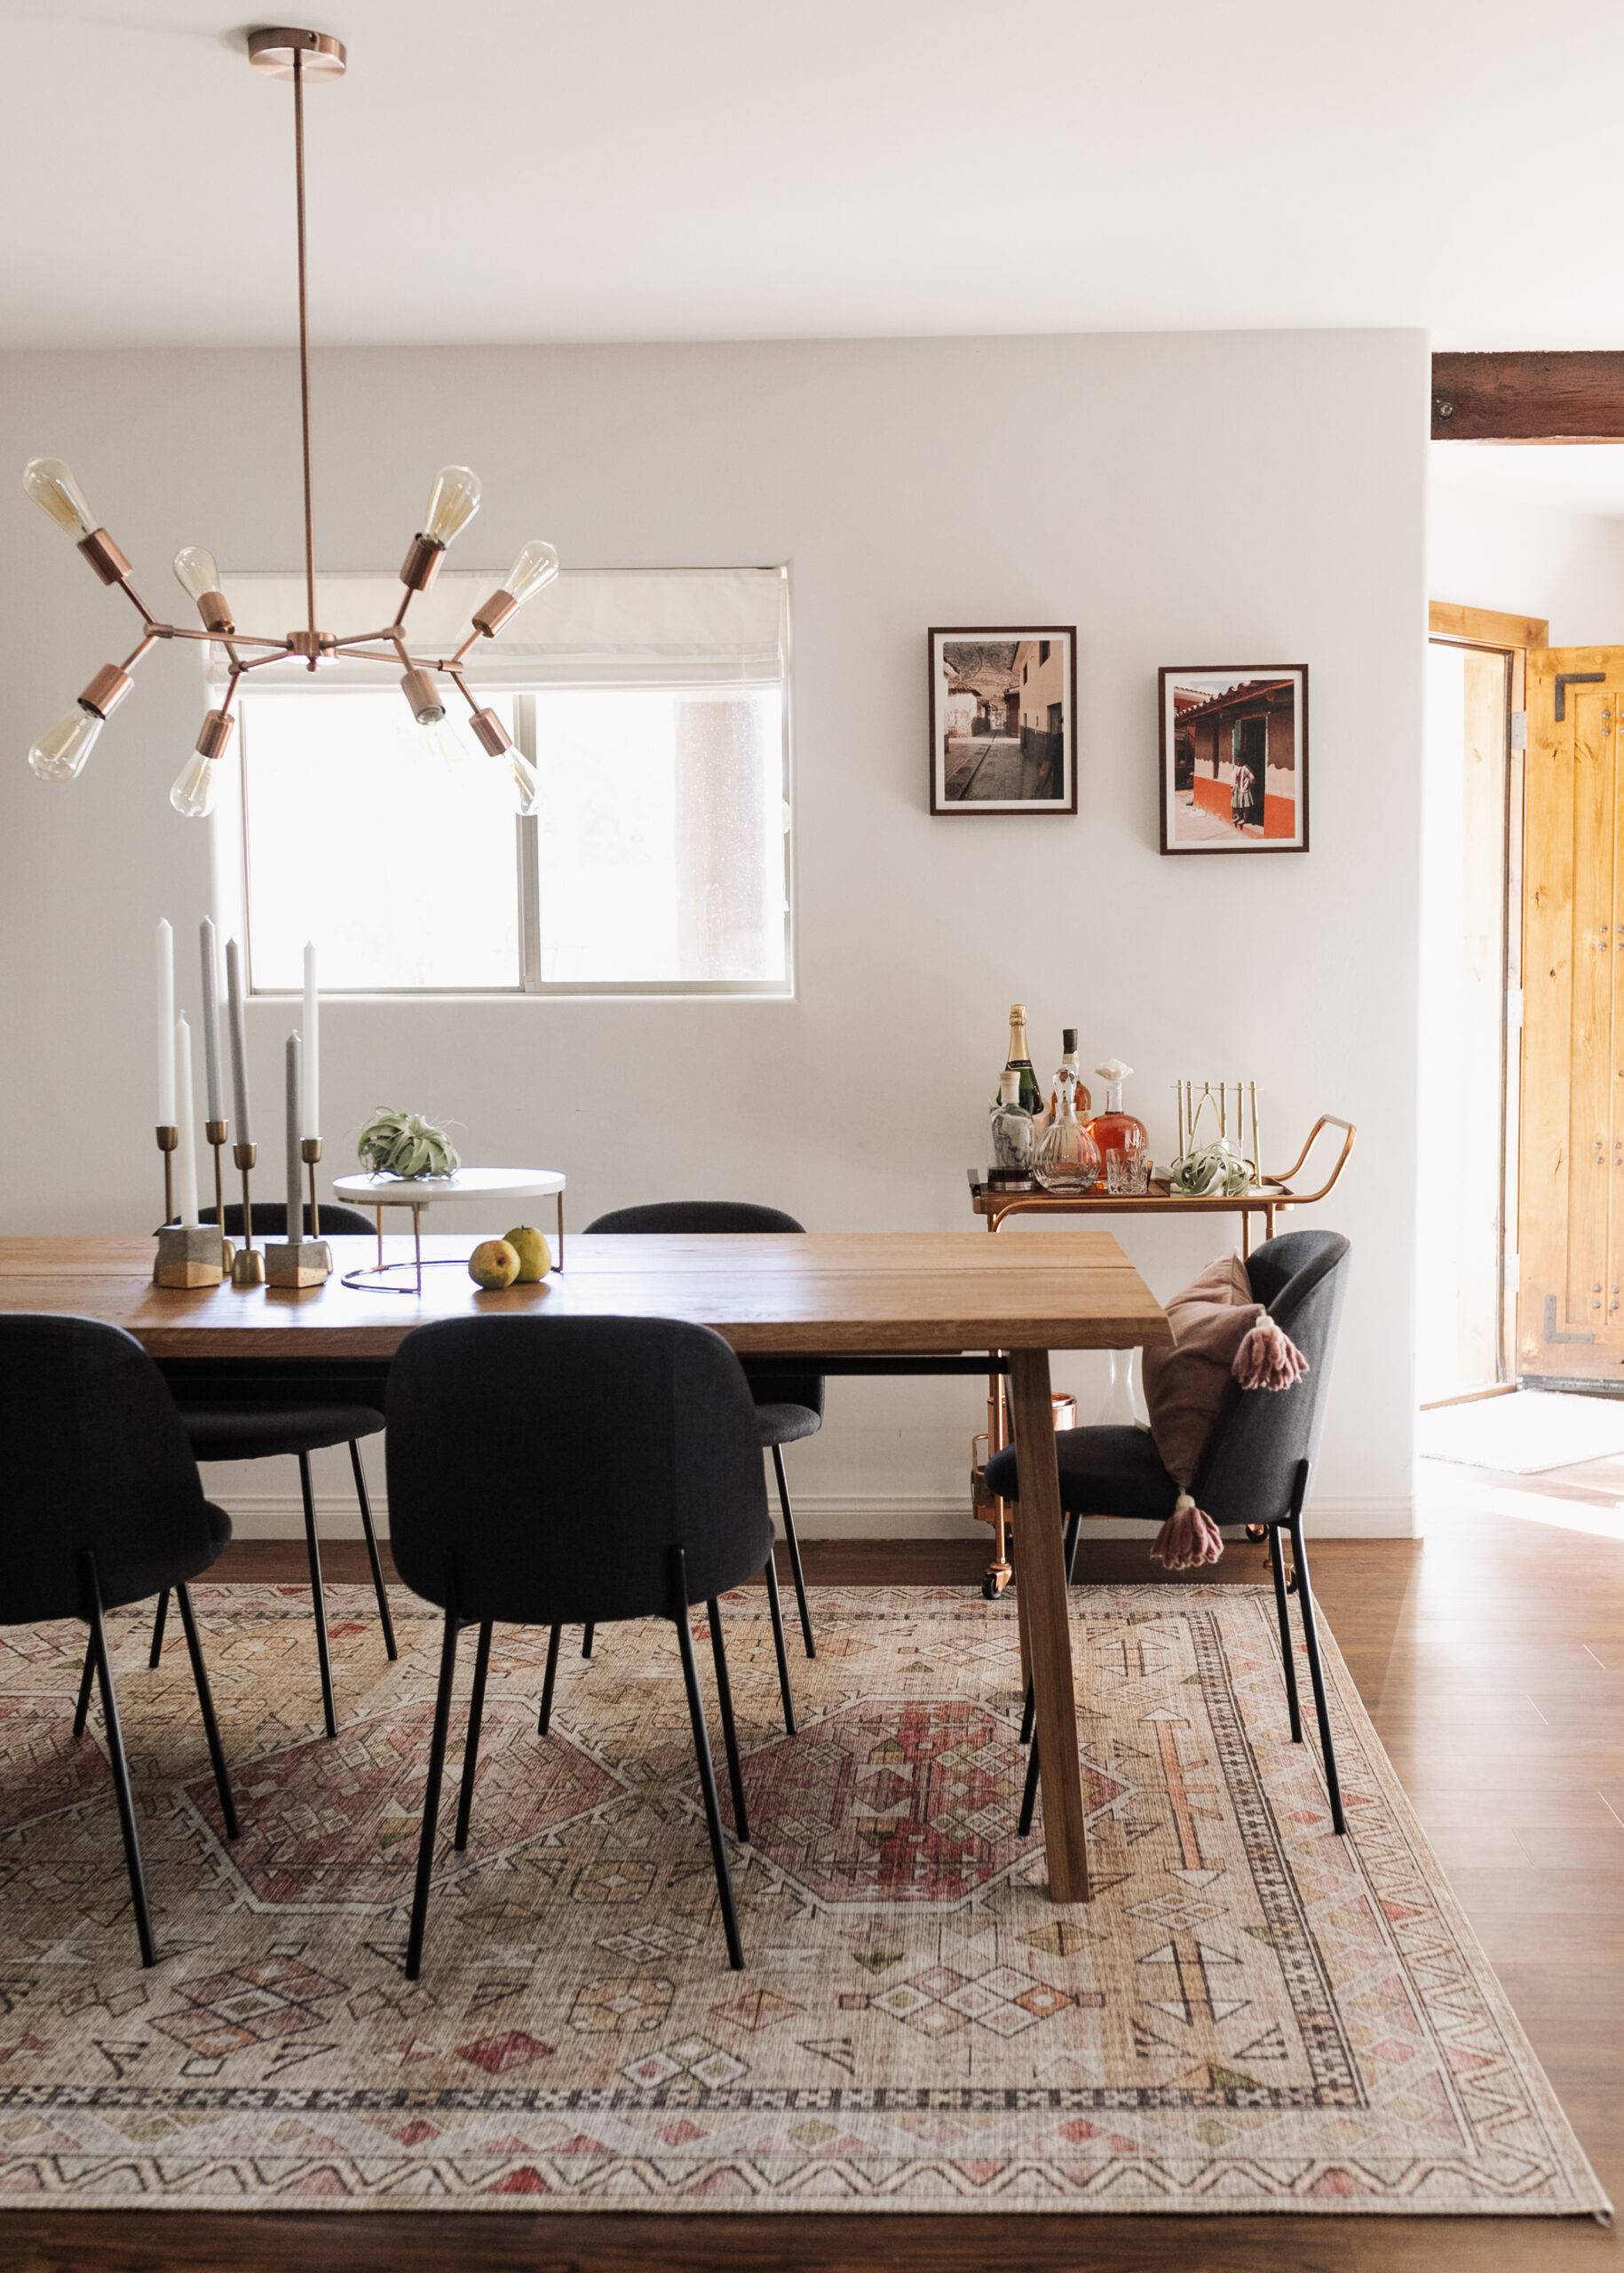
(1254,1469)
(248,1420)
(103,1506)
(547,1471)
(786,1410)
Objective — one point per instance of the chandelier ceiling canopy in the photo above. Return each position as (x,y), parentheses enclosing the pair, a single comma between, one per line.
(308,58)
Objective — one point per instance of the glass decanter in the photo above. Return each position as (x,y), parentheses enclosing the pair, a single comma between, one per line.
(1014,1135)
(1067,1158)
(1114,1130)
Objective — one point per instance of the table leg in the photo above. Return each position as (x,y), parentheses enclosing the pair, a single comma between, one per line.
(1040,1586)
(417,1240)
(559,1197)
(378,1214)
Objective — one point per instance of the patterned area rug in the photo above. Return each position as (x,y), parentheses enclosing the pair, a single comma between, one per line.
(1251,2014)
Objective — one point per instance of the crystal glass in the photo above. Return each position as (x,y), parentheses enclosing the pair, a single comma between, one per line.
(1067,1157)
(1127,1170)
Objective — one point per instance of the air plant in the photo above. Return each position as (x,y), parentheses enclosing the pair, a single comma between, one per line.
(1209,1169)
(405,1144)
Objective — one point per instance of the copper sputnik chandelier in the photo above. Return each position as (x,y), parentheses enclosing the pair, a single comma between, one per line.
(60,752)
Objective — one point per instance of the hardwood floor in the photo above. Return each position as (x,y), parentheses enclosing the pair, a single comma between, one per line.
(1491,1658)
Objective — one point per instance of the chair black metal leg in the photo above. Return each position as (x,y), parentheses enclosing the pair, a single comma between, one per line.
(205,1706)
(730,1734)
(378,1588)
(431,1791)
(1029,1797)
(317,1599)
(778,1644)
(587,1633)
(551,1675)
(115,1756)
(1310,1642)
(1277,1561)
(707,1775)
(471,1743)
(1073,1532)
(82,1708)
(159,1616)
(794,1545)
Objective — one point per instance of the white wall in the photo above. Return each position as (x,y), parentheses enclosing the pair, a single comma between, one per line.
(1485,549)
(1171,495)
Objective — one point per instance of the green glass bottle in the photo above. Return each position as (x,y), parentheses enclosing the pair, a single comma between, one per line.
(1019,1061)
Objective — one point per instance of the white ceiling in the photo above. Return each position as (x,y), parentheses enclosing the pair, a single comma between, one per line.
(520,169)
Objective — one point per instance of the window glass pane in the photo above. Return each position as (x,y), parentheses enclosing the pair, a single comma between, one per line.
(393,847)
(661,821)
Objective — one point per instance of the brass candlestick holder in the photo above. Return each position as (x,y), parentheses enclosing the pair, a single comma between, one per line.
(310,1152)
(248,1265)
(168,1138)
(216,1133)
(295,1261)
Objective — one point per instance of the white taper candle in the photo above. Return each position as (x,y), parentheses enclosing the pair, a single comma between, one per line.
(310,1041)
(211,1019)
(239,1043)
(296,1204)
(187,1152)
(166,1024)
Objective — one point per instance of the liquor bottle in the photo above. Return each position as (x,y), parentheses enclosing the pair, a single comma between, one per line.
(1067,1157)
(1068,1059)
(1014,1135)
(1020,1062)
(1114,1130)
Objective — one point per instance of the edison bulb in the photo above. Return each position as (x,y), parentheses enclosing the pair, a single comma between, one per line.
(53,489)
(534,570)
(196,572)
(60,752)
(524,779)
(453,502)
(193,794)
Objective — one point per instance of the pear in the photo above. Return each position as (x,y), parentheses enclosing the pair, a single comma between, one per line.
(493,1265)
(535,1255)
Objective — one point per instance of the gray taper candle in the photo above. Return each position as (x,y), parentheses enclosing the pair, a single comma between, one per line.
(238,1047)
(295,1206)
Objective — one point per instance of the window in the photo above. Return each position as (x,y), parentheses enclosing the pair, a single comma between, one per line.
(1043,647)
(653,709)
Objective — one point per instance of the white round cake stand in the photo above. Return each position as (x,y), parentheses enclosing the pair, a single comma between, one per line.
(418,1192)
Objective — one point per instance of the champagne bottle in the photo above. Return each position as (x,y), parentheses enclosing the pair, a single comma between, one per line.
(1020,1062)
(1068,1064)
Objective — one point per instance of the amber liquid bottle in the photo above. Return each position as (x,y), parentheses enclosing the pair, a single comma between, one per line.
(1114,1130)
(1019,1061)
(1068,1060)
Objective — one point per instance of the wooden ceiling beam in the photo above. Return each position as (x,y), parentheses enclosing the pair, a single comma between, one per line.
(1576,396)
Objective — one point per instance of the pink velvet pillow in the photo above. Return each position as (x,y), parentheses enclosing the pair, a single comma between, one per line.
(1184,1386)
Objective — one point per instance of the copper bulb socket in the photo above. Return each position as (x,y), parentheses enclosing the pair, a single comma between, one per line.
(490,732)
(106,691)
(494,614)
(424,696)
(105,556)
(421,565)
(215,610)
(217,731)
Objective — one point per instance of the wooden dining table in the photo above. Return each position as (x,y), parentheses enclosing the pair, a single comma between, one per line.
(854,1303)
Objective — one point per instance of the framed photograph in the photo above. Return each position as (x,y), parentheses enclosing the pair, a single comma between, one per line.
(1234,757)
(1003,710)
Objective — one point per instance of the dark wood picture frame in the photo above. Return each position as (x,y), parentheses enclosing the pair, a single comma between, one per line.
(1250,692)
(1024,745)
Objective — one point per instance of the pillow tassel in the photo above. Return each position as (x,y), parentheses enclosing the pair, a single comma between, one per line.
(1188,1538)
(1268,1357)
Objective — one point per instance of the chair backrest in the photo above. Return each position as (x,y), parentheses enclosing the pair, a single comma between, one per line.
(271,1219)
(722,1216)
(558,1461)
(1260,1435)
(95,1456)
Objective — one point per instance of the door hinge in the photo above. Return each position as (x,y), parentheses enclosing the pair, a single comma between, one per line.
(1519,730)
(1514,1009)
(1509,1278)
(1551,1334)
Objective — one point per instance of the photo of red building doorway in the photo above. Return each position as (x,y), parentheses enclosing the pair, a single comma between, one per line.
(1234,758)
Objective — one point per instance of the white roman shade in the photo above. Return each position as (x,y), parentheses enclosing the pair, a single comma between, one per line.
(617,627)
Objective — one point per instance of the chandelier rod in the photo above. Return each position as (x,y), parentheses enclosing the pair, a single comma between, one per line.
(298,168)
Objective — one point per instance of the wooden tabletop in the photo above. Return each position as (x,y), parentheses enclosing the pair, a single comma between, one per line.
(845,1292)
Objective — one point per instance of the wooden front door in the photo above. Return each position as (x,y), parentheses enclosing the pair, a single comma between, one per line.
(1570,1213)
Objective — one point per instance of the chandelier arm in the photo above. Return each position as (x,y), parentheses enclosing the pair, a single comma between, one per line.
(298,166)
(237,639)
(461,684)
(280,654)
(136,653)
